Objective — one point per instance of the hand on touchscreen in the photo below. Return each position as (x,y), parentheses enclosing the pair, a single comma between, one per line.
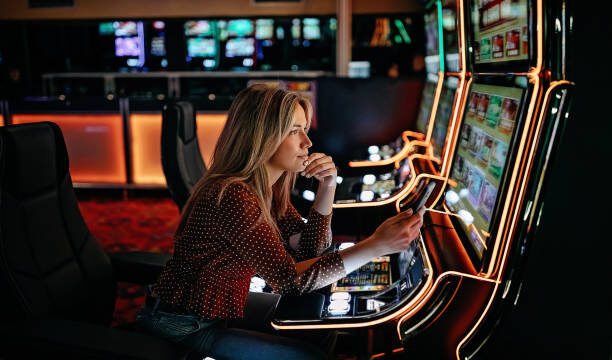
(396,233)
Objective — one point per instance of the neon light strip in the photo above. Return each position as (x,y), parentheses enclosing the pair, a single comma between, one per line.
(440,35)
(535,73)
(400,194)
(394,315)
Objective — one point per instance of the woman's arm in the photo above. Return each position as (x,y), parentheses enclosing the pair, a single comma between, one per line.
(393,235)
(322,168)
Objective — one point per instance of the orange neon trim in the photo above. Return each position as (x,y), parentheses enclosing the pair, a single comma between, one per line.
(398,196)
(535,75)
(376,356)
(398,350)
(394,315)
(94,143)
(1,120)
(406,149)
(434,109)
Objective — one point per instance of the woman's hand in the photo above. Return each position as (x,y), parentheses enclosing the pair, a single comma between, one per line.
(396,233)
(322,168)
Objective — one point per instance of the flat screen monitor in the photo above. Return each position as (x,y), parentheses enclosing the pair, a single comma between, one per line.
(429,92)
(125,28)
(199,28)
(500,30)
(158,46)
(239,47)
(480,159)
(264,29)
(443,114)
(127,46)
(200,47)
(373,276)
(311,29)
(240,27)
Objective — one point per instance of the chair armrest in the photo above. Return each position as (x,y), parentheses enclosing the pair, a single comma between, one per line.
(66,339)
(138,267)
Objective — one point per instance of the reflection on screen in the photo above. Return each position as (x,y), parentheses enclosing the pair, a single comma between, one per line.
(500,30)
(199,47)
(443,114)
(429,91)
(199,28)
(481,156)
(239,47)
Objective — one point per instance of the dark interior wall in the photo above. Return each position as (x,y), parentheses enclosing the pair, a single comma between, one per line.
(356,113)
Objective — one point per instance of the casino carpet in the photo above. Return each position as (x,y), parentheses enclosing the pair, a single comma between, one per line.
(134,224)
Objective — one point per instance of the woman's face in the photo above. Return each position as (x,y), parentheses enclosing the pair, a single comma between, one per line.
(293,151)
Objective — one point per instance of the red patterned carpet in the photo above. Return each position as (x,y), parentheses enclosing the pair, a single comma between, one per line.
(132,224)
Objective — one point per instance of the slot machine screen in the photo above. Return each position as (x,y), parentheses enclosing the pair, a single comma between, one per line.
(443,114)
(199,47)
(500,30)
(311,29)
(240,27)
(264,29)
(373,276)
(429,92)
(432,46)
(449,31)
(483,147)
(125,28)
(199,28)
(127,46)
(239,47)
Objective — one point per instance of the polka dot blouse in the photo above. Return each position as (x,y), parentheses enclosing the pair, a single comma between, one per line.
(222,246)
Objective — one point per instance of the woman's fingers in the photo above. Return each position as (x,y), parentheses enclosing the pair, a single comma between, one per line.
(318,163)
(325,173)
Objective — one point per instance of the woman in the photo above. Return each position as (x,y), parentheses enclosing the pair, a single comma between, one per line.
(239,222)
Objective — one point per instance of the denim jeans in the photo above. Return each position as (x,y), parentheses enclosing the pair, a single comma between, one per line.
(212,338)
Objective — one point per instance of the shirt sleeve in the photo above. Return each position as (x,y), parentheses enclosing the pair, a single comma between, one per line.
(261,248)
(315,236)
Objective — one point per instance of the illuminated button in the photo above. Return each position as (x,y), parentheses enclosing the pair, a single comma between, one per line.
(451,197)
(385,195)
(463,193)
(247,62)
(339,179)
(373,149)
(345,245)
(373,304)
(369,179)
(132,62)
(466,216)
(338,307)
(343,295)
(366,195)
(374,157)
(308,195)
(209,63)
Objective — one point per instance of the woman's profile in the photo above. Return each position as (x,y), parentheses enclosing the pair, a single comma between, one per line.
(239,222)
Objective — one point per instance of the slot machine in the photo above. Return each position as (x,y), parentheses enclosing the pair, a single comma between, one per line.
(441,298)
(364,200)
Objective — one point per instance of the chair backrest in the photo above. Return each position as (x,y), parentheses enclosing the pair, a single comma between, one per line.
(50,265)
(180,151)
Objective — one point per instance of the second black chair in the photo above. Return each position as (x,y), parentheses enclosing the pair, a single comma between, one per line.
(180,150)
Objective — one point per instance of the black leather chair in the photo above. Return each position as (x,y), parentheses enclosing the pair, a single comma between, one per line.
(58,285)
(180,151)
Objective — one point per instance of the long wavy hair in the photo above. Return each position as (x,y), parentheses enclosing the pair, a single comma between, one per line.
(259,119)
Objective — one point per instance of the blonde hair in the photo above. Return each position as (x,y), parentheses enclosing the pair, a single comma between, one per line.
(258,121)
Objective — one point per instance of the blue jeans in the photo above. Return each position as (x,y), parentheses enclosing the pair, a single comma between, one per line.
(213,339)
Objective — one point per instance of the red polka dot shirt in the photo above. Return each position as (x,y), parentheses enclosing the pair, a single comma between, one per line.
(221,247)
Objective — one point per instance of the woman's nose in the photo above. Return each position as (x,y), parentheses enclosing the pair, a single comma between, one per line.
(306,142)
